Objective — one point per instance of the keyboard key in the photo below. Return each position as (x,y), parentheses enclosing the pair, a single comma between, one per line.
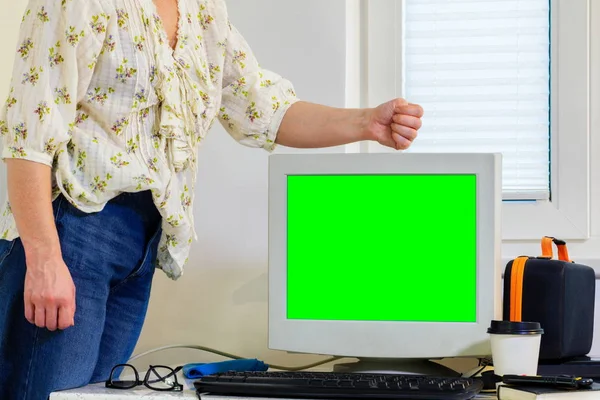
(363,384)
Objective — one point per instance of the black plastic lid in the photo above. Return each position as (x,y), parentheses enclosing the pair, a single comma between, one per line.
(515,328)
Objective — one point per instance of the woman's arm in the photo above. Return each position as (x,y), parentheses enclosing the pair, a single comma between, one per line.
(259,108)
(49,290)
(394,124)
(35,126)
(30,197)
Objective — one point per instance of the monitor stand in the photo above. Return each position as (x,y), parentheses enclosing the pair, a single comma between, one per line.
(396,366)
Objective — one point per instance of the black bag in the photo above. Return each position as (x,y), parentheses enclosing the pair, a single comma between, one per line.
(559,294)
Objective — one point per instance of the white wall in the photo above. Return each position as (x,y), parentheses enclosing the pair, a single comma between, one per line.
(222,299)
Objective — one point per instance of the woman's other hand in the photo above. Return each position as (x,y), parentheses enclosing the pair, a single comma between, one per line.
(49,292)
(395,124)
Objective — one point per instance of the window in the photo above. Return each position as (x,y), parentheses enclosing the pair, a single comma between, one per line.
(482,71)
(509,76)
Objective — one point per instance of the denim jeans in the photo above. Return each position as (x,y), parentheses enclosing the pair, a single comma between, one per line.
(111,257)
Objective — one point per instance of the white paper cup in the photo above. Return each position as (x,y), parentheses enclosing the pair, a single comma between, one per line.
(515,347)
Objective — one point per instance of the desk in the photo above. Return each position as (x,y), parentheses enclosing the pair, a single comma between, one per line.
(99,392)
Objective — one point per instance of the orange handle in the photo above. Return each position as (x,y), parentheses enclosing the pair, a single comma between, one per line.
(516,289)
(518,272)
(563,253)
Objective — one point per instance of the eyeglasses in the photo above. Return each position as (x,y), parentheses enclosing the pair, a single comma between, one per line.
(157,377)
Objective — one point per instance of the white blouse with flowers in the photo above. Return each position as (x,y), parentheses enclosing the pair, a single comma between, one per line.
(100,95)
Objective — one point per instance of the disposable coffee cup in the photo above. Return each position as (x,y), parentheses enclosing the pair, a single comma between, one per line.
(515,347)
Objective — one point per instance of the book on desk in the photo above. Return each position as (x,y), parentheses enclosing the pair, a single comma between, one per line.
(506,392)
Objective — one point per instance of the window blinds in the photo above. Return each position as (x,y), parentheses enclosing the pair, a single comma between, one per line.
(481,69)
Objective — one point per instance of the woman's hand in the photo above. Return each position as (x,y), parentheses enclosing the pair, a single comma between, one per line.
(395,124)
(49,293)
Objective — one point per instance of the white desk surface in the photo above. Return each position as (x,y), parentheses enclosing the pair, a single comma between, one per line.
(99,392)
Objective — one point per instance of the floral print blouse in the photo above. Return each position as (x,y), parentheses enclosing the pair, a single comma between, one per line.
(100,95)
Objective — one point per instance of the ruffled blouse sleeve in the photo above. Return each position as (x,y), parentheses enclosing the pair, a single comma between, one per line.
(59,42)
(254,100)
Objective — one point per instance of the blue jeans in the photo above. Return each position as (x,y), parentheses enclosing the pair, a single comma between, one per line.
(111,256)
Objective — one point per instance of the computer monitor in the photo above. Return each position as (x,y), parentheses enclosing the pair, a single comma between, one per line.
(393,259)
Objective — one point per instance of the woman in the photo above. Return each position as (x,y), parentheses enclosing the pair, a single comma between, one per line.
(108,103)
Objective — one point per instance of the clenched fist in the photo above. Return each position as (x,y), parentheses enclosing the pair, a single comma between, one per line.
(395,124)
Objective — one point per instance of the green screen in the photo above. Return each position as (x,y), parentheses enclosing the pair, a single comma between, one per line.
(382,248)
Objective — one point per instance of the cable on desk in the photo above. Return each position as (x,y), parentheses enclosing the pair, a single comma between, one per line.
(483,364)
(233,356)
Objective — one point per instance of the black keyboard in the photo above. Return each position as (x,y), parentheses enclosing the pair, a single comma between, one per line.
(327,385)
